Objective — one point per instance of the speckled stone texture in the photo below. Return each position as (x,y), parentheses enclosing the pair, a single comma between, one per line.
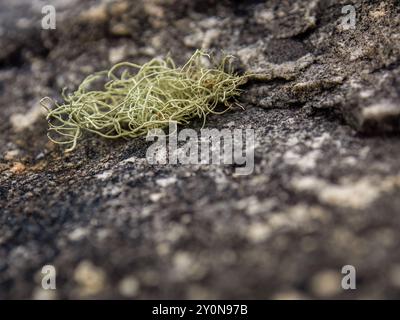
(324,193)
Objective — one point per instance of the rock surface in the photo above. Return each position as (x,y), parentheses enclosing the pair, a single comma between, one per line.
(324,192)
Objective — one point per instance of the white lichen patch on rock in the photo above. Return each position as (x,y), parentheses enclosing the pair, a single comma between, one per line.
(326,283)
(17,168)
(11,155)
(204,33)
(381,110)
(129,287)
(258,232)
(42,294)
(253,59)
(186,266)
(298,216)
(305,159)
(78,234)
(253,206)
(104,175)
(165,182)
(95,14)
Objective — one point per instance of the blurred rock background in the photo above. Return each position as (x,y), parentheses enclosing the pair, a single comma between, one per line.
(324,193)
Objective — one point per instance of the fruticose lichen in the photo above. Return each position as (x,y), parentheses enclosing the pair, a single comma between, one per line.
(131,104)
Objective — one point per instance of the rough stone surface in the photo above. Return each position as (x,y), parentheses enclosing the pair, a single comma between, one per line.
(324,192)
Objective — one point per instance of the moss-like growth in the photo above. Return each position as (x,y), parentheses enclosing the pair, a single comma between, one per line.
(130,105)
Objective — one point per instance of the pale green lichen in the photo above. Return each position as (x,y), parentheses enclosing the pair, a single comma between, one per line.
(131,104)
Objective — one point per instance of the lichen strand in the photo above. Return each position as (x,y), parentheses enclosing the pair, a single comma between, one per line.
(129,105)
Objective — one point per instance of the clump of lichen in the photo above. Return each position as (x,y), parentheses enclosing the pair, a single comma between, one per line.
(131,104)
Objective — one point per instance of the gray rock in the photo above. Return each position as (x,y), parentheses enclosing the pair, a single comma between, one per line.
(323,194)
